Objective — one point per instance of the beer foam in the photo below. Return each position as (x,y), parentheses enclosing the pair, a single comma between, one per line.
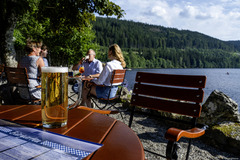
(54,69)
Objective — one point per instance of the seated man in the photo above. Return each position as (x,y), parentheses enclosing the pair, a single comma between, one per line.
(92,67)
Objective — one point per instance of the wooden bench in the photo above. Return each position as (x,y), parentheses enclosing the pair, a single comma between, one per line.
(180,94)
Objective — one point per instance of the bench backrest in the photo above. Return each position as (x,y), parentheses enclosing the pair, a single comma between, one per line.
(181,94)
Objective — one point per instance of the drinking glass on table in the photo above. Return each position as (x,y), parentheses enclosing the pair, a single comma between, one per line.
(81,70)
(54,97)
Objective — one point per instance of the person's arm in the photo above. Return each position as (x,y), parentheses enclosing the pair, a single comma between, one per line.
(76,66)
(40,63)
(94,75)
(98,70)
(103,76)
(99,67)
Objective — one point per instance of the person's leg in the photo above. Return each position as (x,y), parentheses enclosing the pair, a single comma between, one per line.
(85,91)
(92,92)
(85,100)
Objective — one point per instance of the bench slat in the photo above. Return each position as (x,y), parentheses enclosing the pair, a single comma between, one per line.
(186,94)
(174,80)
(178,107)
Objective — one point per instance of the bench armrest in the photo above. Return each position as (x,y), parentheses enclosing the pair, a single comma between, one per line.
(174,134)
(99,111)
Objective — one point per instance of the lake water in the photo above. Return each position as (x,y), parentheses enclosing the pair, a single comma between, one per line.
(225,80)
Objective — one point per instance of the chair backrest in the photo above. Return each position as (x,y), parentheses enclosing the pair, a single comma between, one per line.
(16,76)
(118,76)
(1,70)
(181,94)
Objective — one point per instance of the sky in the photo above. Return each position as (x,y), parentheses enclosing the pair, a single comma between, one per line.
(216,18)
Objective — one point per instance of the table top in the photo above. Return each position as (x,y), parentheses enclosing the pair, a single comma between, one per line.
(83,78)
(119,141)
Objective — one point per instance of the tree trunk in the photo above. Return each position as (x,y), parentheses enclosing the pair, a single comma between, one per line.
(8,22)
(8,56)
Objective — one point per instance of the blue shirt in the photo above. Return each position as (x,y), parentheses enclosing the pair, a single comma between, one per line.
(94,67)
(45,62)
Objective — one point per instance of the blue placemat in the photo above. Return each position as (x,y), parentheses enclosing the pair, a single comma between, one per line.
(21,142)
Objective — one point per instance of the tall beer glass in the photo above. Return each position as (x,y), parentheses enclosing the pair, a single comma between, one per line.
(54,97)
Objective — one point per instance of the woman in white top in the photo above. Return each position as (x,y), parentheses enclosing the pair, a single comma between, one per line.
(117,62)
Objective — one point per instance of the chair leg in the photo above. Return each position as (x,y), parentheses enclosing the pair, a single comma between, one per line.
(131,117)
(189,148)
(96,104)
(70,97)
(119,112)
(171,152)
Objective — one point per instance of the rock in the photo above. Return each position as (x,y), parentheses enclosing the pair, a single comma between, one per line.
(126,95)
(219,108)
(224,136)
(221,114)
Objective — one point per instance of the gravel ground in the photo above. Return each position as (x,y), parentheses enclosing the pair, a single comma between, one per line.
(151,132)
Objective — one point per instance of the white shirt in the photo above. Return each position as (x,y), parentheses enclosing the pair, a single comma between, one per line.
(106,74)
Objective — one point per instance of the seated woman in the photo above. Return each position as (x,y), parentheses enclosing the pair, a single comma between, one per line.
(117,62)
(33,63)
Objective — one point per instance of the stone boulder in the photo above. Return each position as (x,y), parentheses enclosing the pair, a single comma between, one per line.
(221,114)
(224,136)
(126,96)
(219,108)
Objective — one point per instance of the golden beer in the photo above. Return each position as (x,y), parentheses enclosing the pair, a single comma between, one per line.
(54,97)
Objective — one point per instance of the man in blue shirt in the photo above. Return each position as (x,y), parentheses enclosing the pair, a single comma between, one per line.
(92,66)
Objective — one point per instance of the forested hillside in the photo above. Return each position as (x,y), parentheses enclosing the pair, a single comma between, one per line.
(151,46)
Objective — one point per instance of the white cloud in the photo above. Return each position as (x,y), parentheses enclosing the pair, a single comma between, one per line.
(219,19)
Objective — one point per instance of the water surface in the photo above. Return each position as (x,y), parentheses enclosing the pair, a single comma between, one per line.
(225,80)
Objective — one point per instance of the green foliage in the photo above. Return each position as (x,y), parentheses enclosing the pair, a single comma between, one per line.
(75,13)
(64,26)
(70,47)
(149,46)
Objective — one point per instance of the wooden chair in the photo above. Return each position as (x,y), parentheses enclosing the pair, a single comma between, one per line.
(2,75)
(117,79)
(181,94)
(18,77)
